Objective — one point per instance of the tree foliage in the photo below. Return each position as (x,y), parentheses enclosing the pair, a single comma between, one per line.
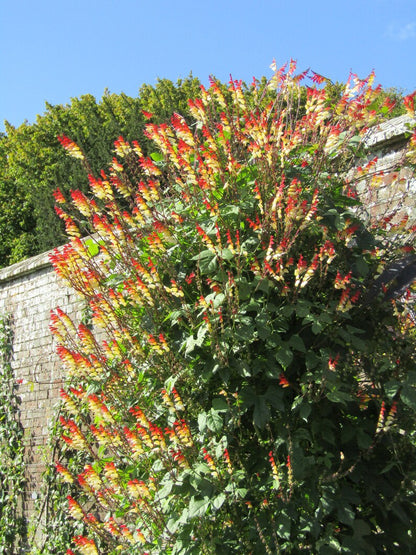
(32,165)
(232,390)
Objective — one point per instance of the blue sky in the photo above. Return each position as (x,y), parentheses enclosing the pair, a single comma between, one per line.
(53,50)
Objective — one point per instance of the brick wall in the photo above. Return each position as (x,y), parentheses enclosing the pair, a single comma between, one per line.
(395,193)
(28,292)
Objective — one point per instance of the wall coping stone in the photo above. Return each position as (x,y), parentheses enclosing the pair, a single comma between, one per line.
(389,132)
(25,267)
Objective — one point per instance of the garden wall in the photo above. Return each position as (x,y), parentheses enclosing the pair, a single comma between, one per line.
(387,142)
(30,290)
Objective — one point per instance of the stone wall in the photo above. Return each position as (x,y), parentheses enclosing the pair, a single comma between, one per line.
(30,290)
(395,191)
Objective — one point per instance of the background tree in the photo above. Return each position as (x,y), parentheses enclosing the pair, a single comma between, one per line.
(32,165)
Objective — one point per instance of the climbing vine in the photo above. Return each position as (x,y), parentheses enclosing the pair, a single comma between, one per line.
(51,512)
(12,523)
(241,388)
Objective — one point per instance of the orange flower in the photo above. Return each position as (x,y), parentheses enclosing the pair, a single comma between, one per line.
(85,545)
(380,422)
(59,197)
(275,471)
(283,381)
(64,472)
(71,147)
(409,103)
(75,509)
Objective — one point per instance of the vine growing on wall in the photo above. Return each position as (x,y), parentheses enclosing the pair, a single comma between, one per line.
(237,392)
(51,515)
(12,523)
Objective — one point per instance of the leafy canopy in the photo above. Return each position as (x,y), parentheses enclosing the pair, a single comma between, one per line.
(32,165)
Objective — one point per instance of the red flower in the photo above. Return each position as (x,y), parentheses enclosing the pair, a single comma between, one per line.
(332,362)
(283,381)
(59,197)
(409,103)
(190,278)
(319,79)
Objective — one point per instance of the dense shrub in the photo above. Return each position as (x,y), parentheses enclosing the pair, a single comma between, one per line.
(234,386)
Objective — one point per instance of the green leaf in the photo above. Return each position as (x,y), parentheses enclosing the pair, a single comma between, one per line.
(156,156)
(391,388)
(231,210)
(297,343)
(214,421)
(219,405)
(247,395)
(401,513)
(361,528)
(261,413)
(208,265)
(312,360)
(202,421)
(241,366)
(408,396)
(173,524)
(244,289)
(363,440)
(284,357)
(92,247)
(165,491)
(337,396)
(191,342)
(200,336)
(303,308)
(245,333)
(304,411)
(264,285)
(218,501)
(411,378)
(356,140)
(198,507)
(283,526)
(203,486)
(263,332)
(317,327)
(274,397)
(297,402)
(273,371)
(226,254)
(346,515)
(207,253)
(331,547)
(389,466)
(361,266)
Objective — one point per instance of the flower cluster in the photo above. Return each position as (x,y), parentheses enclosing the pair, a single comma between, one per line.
(223,368)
